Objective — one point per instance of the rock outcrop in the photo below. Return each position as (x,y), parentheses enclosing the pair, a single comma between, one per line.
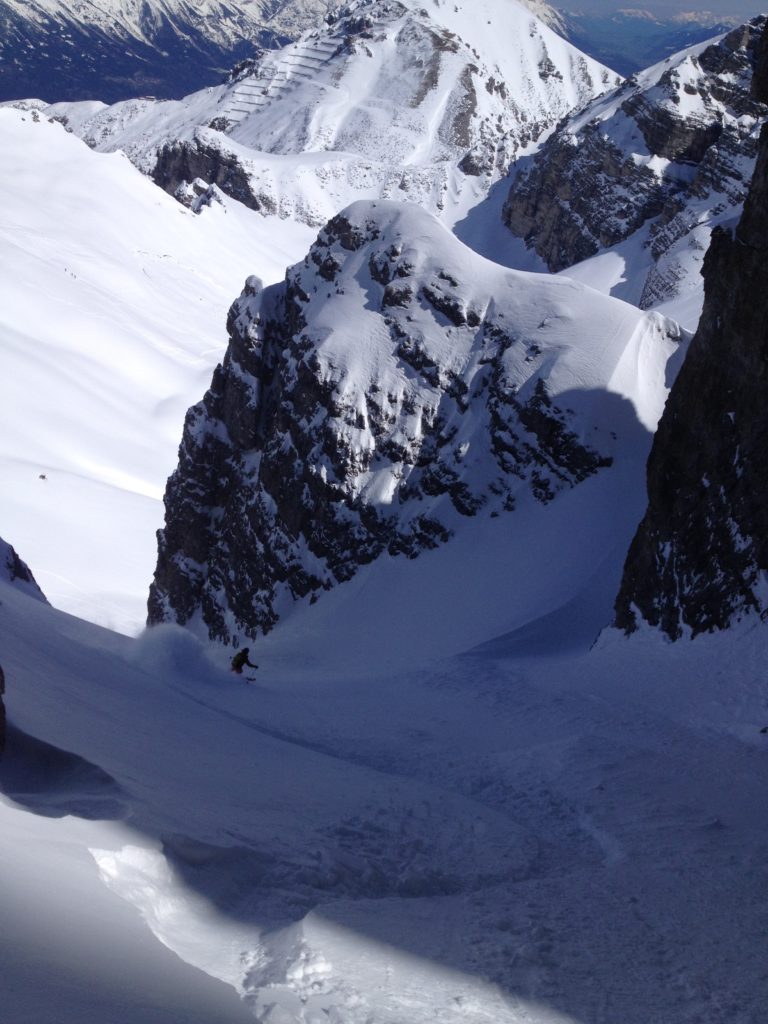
(16,572)
(700,556)
(382,396)
(207,159)
(672,150)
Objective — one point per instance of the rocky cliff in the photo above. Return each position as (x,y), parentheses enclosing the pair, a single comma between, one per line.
(16,572)
(671,151)
(699,558)
(393,387)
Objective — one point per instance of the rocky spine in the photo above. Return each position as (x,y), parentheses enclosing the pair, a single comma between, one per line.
(671,149)
(699,559)
(326,440)
(16,572)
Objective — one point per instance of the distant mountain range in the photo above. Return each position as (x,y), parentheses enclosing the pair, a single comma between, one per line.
(113,49)
(629,40)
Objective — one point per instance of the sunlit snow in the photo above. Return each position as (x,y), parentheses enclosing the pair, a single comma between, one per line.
(113,303)
(449,794)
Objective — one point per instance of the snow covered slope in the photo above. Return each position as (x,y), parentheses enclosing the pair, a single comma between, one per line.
(116,49)
(112,310)
(642,175)
(391,100)
(506,836)
(113,49)
(394,387)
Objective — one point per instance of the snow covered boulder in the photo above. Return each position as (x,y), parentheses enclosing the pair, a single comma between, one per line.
(395,386)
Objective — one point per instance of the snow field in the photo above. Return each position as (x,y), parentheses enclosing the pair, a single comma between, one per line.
(504,835)
(113,305)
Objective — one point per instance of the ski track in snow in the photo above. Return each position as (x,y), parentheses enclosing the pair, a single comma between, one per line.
(495,836)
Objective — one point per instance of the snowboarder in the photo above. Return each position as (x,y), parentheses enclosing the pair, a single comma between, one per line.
(240,660)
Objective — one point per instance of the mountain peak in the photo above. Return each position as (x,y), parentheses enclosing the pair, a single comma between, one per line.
(390,99)
(669,153)
(392,389)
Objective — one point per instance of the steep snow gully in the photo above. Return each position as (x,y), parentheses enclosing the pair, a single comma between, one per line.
(450,793)
(505,835)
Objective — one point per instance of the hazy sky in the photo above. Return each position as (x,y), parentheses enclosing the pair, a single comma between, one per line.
(734,8)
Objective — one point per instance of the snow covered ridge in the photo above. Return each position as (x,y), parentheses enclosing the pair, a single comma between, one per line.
(670,152)
(391,100)
(113,49)
(393,387)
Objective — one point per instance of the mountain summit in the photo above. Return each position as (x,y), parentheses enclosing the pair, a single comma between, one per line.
(390,100)
(116,49)
(660,161)
(394,387)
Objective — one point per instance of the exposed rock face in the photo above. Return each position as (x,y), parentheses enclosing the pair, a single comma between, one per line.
(13,570)
(372,403)
(205,160)
(700,555)
(673,148)
(2,711)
